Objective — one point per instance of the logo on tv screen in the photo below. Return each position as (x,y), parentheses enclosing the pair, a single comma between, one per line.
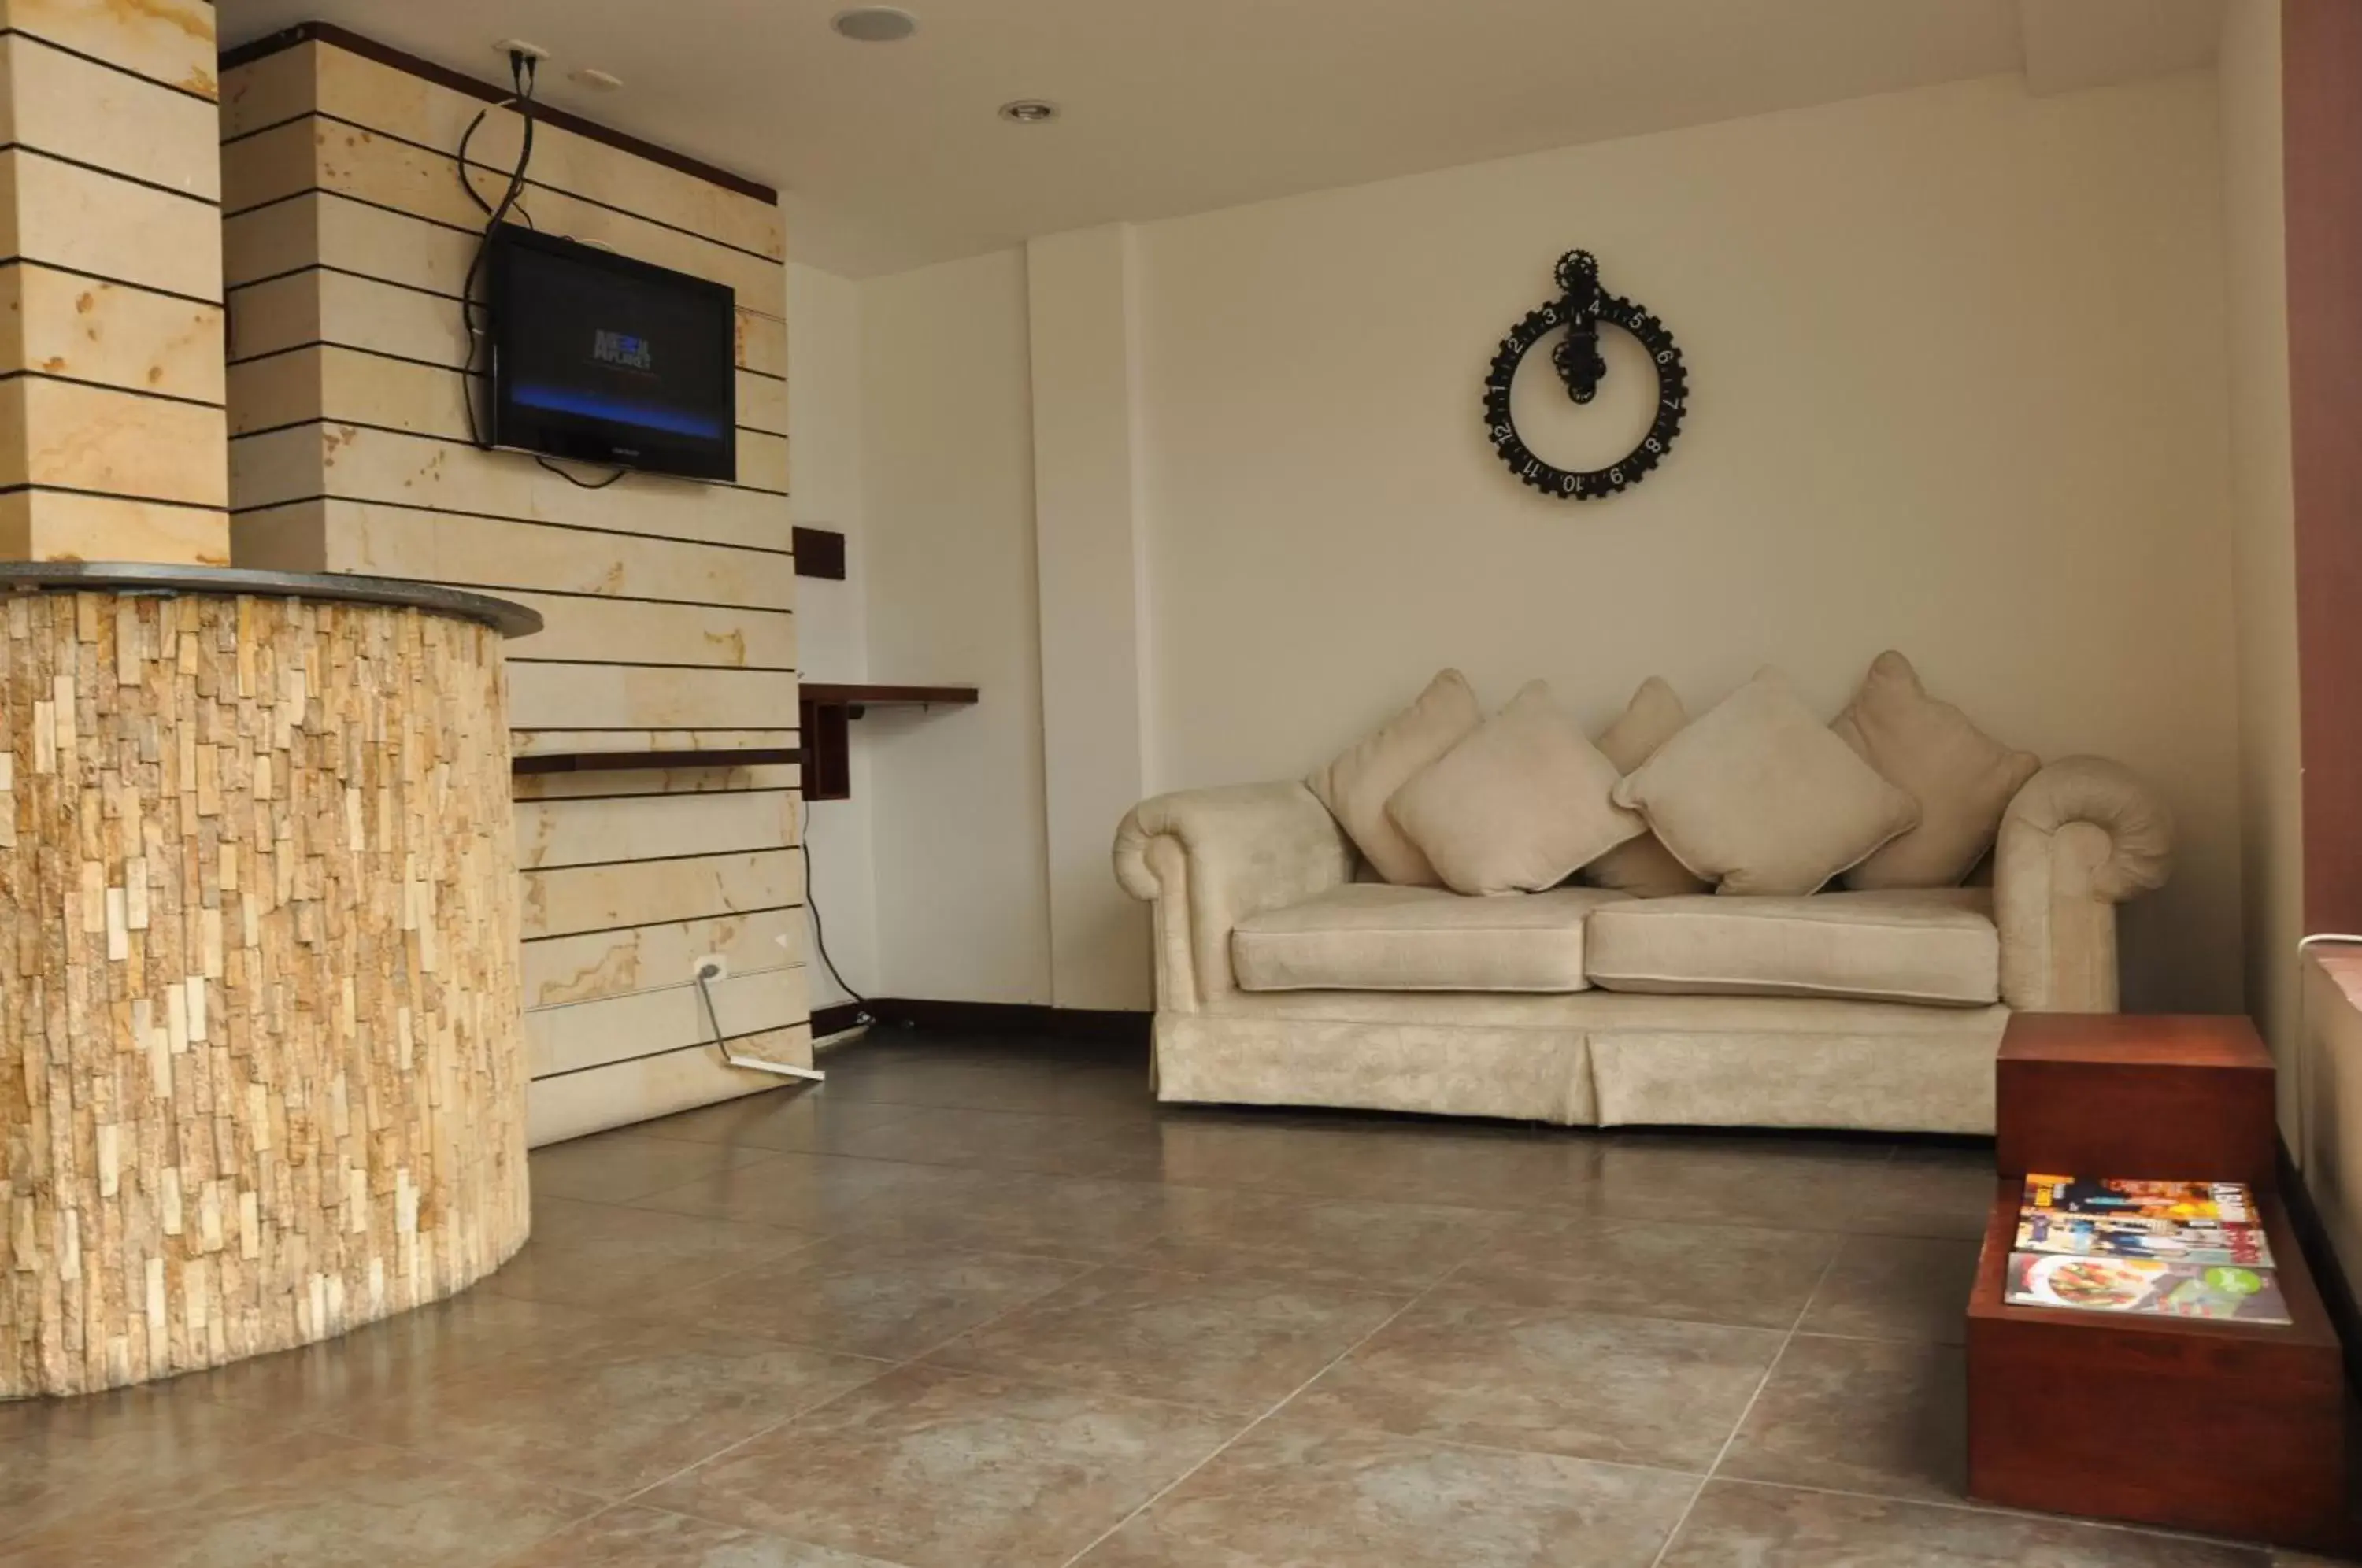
(622,348)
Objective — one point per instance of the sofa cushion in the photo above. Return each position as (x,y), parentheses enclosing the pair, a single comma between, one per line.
(1962,777)
(1518,804)
(1368,936)
(1759,796)
(1643,867)
(1924,945)
(1358,784)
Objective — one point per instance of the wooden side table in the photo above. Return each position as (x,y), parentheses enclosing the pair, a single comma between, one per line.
(2225,1427)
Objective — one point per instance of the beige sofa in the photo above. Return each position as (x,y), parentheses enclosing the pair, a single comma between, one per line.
(1283,979)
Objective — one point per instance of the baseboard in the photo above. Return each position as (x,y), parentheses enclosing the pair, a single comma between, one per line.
(1106,1026)
(835,1018)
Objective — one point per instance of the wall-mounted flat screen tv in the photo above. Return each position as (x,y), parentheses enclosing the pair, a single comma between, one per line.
(603,359)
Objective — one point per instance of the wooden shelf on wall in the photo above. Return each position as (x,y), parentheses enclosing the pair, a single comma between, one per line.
(827,711)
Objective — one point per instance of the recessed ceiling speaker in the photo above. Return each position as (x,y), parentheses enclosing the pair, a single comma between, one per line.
(875,24)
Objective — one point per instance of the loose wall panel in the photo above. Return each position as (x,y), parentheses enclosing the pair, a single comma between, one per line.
(668,602)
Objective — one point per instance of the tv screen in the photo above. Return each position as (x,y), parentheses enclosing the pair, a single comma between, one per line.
(610,360)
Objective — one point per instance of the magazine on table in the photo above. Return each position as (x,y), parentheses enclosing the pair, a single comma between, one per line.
(2181,1249)
(2222,1202)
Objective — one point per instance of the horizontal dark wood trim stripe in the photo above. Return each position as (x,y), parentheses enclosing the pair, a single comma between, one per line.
(498,517)
(281,201)
(645,729)
(20,260)
(637,794)
(657,859)
(499,588)
(650,662)
(820,553)
(424,365)
(684,920)
(214,203)
(113,496)
(342,272)
(448,298)
(502,174)
(489,92)
(463,441)
(670,1049)
(30,374)
(652,761)
(248,134)
(115,66)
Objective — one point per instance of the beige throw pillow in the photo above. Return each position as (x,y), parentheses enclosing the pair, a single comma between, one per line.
(1759,796)
(1962,777)
(1643,867)
(1357,786)
(1516,806)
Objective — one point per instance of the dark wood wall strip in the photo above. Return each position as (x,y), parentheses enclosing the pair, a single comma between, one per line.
(462,441)
(2321,108)
(499,174)
(489,92)
(34,36)
(637,794)
(89,168)
(495,517)
(29,374)
(651,761)
(18,259)
(106,495)
(820,552)
(432,293)
(473,375)
(115,65)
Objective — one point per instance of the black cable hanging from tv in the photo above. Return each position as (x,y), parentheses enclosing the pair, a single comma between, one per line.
(523,74)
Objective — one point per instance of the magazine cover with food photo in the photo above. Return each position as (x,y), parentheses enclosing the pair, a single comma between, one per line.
(2145,1286)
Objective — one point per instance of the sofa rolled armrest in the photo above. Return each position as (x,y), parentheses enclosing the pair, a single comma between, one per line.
(2082,837)
(1208,858)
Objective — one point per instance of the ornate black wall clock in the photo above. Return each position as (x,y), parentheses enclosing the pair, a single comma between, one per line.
(1583,304)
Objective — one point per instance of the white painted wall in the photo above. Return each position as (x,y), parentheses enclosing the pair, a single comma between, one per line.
(1082,290)
(1958,363)
(955,794)
(831,618)
(2264,516)
(1956,366)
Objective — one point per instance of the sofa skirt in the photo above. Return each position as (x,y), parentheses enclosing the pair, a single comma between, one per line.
(1593,1059)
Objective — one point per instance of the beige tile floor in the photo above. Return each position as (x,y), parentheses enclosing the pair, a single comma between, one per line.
(980,1303)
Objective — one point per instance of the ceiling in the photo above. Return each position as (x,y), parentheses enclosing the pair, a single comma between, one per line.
(891,155)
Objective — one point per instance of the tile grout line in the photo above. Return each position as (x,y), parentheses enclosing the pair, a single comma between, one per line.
(1235,1438)
(888,1369)
(1748,1408)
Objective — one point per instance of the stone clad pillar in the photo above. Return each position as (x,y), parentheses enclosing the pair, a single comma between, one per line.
(261,1072)
(113,442)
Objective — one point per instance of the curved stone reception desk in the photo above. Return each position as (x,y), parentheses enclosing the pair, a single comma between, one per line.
(260,1075)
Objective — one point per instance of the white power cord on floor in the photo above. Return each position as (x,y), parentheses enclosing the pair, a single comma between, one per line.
(711,969)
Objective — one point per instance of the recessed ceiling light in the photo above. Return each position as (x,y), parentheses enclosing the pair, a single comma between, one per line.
(875,24)
(600,81)
(1030,111)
